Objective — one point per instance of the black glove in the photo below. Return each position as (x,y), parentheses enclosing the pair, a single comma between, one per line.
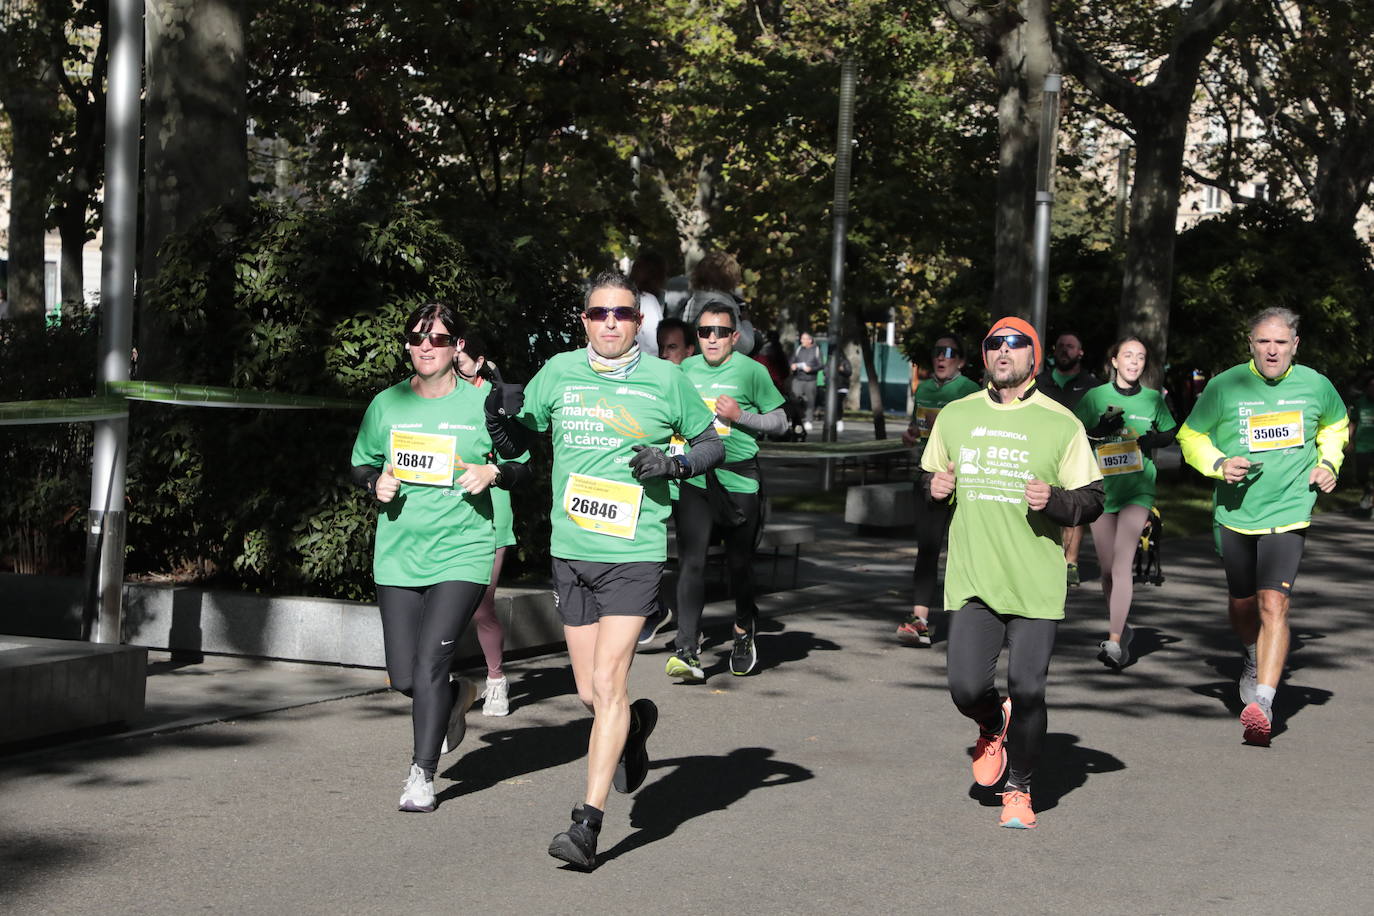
(1107,425)
(504,399)
(1153,440)
(652,462)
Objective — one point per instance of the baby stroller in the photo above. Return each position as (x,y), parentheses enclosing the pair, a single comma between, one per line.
(1147,566)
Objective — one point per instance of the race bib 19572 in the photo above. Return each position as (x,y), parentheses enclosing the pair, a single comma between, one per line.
(426,458)
(605,506)
(1114,458)
(1269,431)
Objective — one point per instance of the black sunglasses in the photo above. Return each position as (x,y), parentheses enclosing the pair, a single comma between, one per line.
(1013,342)
(946,352)
(621,313)
(416,339)
(707,331)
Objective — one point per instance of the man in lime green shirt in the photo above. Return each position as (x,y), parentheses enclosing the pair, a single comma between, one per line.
(1271,434)
(612,414)
(1021,470)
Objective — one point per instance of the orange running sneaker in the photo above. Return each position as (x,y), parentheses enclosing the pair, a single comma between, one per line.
(914,631)
(1017,811)
(989,757)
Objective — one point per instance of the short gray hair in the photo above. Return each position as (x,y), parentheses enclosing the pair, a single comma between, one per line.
(1275,313)
(611,279)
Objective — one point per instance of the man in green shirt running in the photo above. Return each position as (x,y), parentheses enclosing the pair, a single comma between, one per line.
(746,404)
(611,414)
(1021,470)
(1271,434)
(947,383)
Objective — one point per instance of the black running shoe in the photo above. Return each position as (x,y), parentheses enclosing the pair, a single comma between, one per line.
(744,656)
(577,844)
(634,760)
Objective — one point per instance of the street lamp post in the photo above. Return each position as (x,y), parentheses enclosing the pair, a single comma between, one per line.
(1044,201)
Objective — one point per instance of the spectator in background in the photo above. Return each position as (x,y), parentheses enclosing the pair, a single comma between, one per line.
(806,365)
(649,273)
(773,359)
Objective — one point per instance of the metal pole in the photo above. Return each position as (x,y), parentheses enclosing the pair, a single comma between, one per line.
(105,534)
(1044,202)
(844,157)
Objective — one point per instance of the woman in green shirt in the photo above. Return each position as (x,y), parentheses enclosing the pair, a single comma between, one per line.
(421,454)
(1125,423)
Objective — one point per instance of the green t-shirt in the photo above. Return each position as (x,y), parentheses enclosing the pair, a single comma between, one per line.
(748,383)
(1274,422)
(930,398)
(1128,474)
(1000,551)
(600,512)
(1362,414)
(431,532)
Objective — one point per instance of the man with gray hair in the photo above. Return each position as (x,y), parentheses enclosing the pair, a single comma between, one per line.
(1271,434)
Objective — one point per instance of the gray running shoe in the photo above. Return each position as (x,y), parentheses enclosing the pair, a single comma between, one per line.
(653,623)
(1116,654)
(466,695)
(1257,719)
(1248,683)
(496,697)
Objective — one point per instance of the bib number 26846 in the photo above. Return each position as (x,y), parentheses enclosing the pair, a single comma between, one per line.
(607,507)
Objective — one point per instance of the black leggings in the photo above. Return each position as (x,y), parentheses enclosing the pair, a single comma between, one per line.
(976,636)
(692,518)
(1256,561)
(420,629)
(932,521)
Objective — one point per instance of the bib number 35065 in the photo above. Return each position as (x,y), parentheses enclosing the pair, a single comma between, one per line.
(607,507)
(1269,431)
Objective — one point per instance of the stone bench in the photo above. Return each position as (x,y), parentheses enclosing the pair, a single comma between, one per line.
(881,505)
(52,686)
(774,539)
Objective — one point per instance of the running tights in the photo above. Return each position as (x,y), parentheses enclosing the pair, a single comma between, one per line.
(692,519)
(932,521)
(489,632)
(420,629)
(1115,537)
(976,636)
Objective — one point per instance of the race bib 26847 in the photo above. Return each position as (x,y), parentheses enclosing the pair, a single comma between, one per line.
(425,458)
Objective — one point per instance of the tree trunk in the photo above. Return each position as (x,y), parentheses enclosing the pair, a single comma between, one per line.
(195,147)
(875,384)
(1147,282)
(33,114)
(71,228)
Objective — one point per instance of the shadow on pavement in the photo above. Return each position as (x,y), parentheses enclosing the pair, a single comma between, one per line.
(697,786)
(513,753)
(31,860)
(1065,765)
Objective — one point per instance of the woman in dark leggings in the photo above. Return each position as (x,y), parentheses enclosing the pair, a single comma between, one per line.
(421,454)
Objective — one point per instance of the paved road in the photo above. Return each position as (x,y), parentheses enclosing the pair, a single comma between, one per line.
(836,780)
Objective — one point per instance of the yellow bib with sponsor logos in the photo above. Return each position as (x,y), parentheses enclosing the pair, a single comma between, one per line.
(722,429)
(1115,458)
(604,506)
(424,458)
(925,420)
(1269,431)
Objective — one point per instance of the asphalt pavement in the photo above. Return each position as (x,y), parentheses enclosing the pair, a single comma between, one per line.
(835,779)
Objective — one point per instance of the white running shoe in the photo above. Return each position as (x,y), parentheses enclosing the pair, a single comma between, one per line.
(1366,502)
(419,793)
(496,697)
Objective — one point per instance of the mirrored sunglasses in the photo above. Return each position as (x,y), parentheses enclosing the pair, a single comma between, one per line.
(945,352)
(1013,342)
(707,331)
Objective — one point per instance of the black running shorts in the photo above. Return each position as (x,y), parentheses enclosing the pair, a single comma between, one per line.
(1256,561)
(585,591)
